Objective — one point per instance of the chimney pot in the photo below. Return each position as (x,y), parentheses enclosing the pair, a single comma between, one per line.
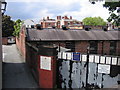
(47,17)
(59,17)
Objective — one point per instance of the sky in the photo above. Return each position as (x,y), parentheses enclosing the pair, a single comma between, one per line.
(37,9)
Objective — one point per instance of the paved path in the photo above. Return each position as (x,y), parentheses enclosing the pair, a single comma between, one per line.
(15,72)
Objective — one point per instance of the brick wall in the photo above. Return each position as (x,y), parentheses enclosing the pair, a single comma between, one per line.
(20,42)
(100,47)
(48,24)
(118,48)
(81,46)
(103,47)
(4,41)
(106,47)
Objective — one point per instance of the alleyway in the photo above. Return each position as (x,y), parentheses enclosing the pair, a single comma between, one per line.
(15,72)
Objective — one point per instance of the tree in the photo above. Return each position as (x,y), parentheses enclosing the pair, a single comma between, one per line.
(17,27)
(94,21)
(113,7)
(7,26)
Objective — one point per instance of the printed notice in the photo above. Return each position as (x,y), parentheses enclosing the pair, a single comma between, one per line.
(45,62)
(103,68)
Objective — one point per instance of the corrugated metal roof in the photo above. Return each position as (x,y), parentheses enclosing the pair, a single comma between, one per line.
(64,35)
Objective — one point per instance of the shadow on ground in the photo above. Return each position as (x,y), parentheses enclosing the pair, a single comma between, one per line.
(17,75)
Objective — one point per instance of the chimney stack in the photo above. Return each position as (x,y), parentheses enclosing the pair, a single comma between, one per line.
(47,17)
(70,17)
(65,17)
(58,17)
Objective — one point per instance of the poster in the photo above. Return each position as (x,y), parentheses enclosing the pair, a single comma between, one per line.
(64,55)
(69,56)
(45,62)
(108,60)
(114,61)
(96,59)
(59,55)
(102,68)
(84,57)
(91,58)
(118,61)
(102,59)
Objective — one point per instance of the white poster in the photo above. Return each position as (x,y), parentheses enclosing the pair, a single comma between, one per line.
(102,59)
(45,62)
(103,68)
(64,55)
(108,60)
(69,56)
(118,61)
(84,57)
(114,61)
(91,58)
(96,59)
(59,55)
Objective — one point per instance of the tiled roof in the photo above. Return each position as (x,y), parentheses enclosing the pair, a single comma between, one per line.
(71,35)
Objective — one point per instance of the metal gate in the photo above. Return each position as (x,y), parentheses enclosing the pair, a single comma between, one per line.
(103,71)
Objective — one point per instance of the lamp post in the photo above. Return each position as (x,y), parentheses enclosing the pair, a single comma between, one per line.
(87,66)
(2,11)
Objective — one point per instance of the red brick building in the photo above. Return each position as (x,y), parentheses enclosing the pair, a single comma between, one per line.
(68,22)
(99,41)
(48,23)
(61,21)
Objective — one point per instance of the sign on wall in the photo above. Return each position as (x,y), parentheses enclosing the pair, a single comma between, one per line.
(76,56)
(103,68)
(45,62)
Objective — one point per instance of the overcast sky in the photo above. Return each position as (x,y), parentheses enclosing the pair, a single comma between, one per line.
(37,9)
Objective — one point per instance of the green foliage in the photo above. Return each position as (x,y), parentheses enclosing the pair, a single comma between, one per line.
(94,21)
(7,26)
(112,7)
(17,27)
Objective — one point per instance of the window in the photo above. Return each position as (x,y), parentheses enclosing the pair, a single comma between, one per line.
(49,24)
(68,23)
(70,45)
(93,47)
(112,47)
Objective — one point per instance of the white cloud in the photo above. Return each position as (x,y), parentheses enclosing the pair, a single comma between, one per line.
(89,10)
(42,14)
(43,8)
(23,0)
